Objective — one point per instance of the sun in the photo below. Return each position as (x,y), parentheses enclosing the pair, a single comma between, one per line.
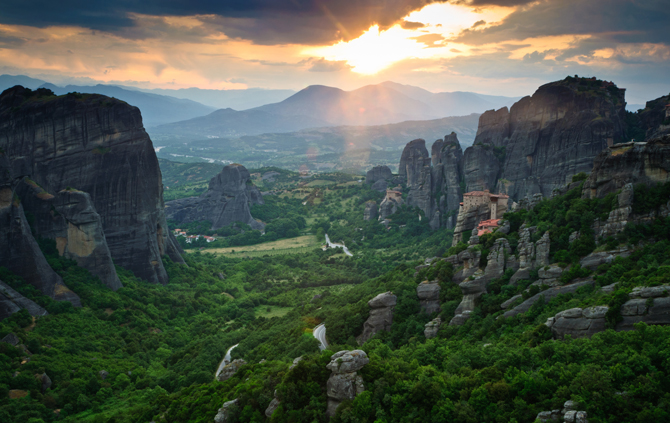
(376,50)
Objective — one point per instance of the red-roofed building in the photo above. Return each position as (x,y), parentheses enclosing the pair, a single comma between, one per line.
(487,226)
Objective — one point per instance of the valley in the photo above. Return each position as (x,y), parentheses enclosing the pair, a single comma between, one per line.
(517,275)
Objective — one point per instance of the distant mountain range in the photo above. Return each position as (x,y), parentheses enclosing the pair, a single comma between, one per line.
(322,106)
(226,99)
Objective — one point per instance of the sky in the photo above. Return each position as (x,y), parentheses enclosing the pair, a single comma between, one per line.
(497,47)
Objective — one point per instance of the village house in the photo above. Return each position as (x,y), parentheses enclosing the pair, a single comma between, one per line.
(487,226)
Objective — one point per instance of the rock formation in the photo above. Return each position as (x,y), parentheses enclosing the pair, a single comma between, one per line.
(578,323)
(432,327)
(429,296)
(272,407)
(230,369)
(390,204)
(371,211)
(499,259)
(481,168)
(11,302)
(446,158)
(647,163)
(378,173)
(224,411)
(381,185)
(557,133)
(654,119)
(568,414)
(381,316)
(97,145)
(531,255)
(228,200)
(344,383)
(69,217)
(548,295)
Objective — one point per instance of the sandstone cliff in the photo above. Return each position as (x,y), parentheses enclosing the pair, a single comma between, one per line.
(227,201)
(97,145)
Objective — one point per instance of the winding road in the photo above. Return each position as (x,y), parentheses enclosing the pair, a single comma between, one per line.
(226,360)
(320,334)
(344,247)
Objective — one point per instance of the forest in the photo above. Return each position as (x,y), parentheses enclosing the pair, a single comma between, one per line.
(149,352)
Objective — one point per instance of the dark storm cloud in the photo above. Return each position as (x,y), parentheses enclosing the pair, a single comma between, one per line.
(619,21)
(263,21)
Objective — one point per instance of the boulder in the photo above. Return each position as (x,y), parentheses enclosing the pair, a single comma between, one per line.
(224,412)
(103,374)
(230,369)
(347,361)
(45,382)
(432,327)
(579,323)
(390,204)
(11,339)
(508,303)
(429,296)
(228,200)
(295,363)
(650,292)
(652,310)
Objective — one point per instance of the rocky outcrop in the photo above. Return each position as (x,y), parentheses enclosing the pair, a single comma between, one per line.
(230,369)
(472,290)
(378,173)
(446,158)
(499,259)
(272,407)
(635,163)
(381,316)
(531,255)
(558,132)
(224,412)
(654,119)
(594,260)
(568,414)
(468,219)
(344,383)
(45,382)
(97,145)
(578,322)
(11,302)
(380,186)
(390,204)
(228,200)
(429,296)
(69,217)
(371,211)
(415,168)
(650,305)
(547,295)
(466,263)
(494,128)
(19,251)
(432,327)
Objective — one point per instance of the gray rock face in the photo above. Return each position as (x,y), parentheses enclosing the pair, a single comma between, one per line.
(635,163)
(497,259)
(295,363)
(344,362)
(344,383)
(230,369)
(593,260)
(509,302)
(381,185)
(579,323)
(557,133)
(481,168)
(11,302)
(568,414)
(468,219)
(381,316)
(224,412)
(432,327)
(467,263)
(429,296)
(371,211)
(45,382)
(547,295)
(494,128)
(446,158)
(531,255)
(416,167)
(19,251)
(272,407)
(97,145)
(69,217)
(378,173)
(228,200)
(11,339)
(390,204)
(637,310)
